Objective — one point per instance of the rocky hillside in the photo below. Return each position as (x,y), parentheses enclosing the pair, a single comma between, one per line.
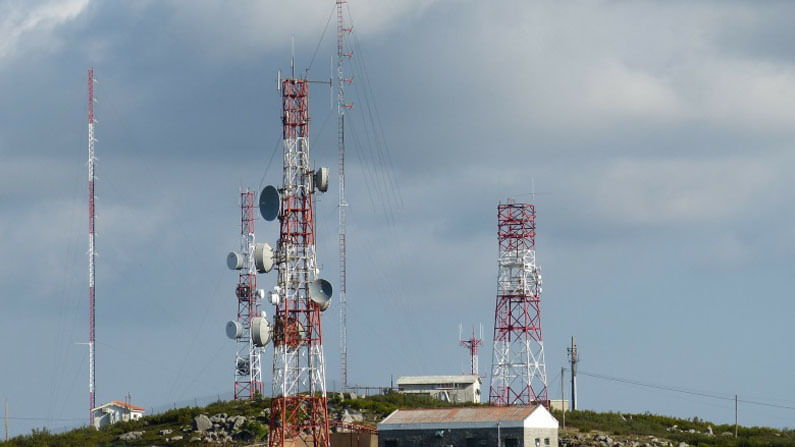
(243,423)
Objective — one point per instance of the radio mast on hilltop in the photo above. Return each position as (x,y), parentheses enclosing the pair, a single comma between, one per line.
(249,330)
(518,372)
(91,249)
(472,345)
(343,204)
(299,405)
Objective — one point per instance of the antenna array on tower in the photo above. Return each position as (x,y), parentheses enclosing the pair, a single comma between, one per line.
(518,372)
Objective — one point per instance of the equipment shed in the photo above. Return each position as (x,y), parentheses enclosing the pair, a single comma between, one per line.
(528,426)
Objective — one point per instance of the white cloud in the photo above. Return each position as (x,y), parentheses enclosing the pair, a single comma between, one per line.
(681,191)
(34,19)
(236,29)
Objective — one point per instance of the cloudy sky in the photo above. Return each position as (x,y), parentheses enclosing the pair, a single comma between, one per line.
(658,136)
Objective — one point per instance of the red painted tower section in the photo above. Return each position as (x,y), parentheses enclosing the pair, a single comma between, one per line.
(472,345)
(299,406)
(248,379)
(518,370)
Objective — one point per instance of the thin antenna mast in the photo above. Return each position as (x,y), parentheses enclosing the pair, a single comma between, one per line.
(574,357)
(343,204)
(472,345)
(91,248)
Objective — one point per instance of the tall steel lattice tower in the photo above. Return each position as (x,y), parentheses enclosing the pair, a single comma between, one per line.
(518,372)
(343,204)
(299,405)
(248,356)
(91,249)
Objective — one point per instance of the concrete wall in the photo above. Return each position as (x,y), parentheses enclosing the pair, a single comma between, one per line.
(546,437)
(457,438)
(353,439)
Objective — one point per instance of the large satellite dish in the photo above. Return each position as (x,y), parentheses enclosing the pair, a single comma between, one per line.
(321,179)
(269,203)
(234,261)
(260,331)
(234,330)
(263,257)
(320,293)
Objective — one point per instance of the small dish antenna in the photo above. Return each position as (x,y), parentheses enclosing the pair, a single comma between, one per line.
(234,260)
(263,257)
(269,203)
(320,179)
(274,298)
(320,293)
(234,330)
(260,331)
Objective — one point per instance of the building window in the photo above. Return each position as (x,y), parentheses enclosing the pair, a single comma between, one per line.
(546,441)
(538,442)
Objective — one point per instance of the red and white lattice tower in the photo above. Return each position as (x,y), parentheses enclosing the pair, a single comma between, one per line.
(472,345)
(518,372)
(248,364)
(91,249)
(299,405)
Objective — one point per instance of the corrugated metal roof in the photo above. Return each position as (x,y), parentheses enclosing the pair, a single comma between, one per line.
(430,380)
(465,414)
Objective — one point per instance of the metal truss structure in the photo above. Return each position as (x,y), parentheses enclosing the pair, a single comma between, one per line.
(518,371)
(299,406)
(91,251)
(248,357)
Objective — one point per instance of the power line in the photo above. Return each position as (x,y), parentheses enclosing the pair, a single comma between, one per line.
(685,391)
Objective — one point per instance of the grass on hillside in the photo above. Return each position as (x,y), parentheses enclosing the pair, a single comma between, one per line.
(654,425)
(375,408)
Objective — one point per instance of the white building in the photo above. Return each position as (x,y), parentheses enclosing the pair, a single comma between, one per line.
(512,426)
(455,389)
(115,411)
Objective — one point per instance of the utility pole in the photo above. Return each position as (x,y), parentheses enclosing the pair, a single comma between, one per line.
(735,416)
(6,419)
(574,358)
(563,394)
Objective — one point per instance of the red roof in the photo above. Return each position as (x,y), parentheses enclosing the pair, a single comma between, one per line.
(128,406)
(464,414)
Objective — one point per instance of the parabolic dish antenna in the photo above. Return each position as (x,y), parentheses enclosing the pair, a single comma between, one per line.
(260,331)
(263,257)
(320,293)
(234,261)
(321,179)
(269,203)
(234,330)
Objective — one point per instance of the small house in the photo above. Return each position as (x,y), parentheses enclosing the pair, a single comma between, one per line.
(453,389)
(115,411)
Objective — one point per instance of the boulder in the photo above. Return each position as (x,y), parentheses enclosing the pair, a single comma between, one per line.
(683,444)
(202,423)
(165,432)
(237,422)
(131,436)
(350,415)
(709,430)
(176,438)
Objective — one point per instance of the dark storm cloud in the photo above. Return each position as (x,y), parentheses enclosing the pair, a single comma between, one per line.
(656,138)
